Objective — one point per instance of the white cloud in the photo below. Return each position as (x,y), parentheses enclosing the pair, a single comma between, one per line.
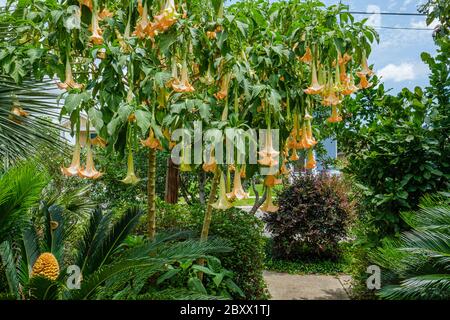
(423,24)
(398,73)
(374,20)
(405,5)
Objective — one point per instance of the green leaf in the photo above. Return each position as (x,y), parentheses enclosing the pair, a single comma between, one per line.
(169,274)
(74,100)
(96,118)
(143,120)
(195,284)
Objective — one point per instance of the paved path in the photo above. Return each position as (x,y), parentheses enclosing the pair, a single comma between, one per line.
(283,286)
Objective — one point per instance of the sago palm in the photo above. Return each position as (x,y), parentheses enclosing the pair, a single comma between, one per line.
(100,256)
(417,266)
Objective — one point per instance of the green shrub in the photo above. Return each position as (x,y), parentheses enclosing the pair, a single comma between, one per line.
(313,217)
(241,230)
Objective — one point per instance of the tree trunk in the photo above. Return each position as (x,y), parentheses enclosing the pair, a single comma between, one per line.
(208,215)
(201,186)
(151,194)
(172,182)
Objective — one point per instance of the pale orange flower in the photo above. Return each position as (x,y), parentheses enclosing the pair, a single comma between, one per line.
(75,165)
(131,177)
(183,85)
(152,142)
(311,161)
(96,37)
(69,83)
(335,117)
(238,191)
(268,205)
(89,172)
(307,57)
(222,202)
(315,87)
(364,83)
(268,154)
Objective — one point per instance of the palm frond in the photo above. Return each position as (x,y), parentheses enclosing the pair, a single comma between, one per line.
(115,236)
(22,136)
(417,265)
(24,184)
(93,234)
(7,259)
(41,288)
(54,231)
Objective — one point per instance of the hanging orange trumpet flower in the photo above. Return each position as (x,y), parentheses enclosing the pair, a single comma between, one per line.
(143,24)
(183,85)
(294,155)
(167,18)
(238,191)
(75,165)
(349,87)
(131,177)
(222,202)
(105,13)
(152,142)
(310,161)
(89,172)
(243,172)
(223,93)
(307,140)
(268,154)
(365,70)
(335,117)
(211,165)
(284,170)
(268,205)
(364,83)
(307,57)
(96,37)
(69,83)
(315,87)
(272,180)
(99,141)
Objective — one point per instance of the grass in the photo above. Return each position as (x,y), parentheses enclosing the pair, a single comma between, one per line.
(251,201)
(326,267)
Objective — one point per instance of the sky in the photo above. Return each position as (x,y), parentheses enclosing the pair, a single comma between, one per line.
(397,57)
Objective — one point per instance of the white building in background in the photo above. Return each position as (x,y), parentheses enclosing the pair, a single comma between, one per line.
(83,133)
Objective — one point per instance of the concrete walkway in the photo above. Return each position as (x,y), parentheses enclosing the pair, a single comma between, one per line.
(283,286)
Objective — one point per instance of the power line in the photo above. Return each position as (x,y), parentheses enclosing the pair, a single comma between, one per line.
(404,28)
(389,13)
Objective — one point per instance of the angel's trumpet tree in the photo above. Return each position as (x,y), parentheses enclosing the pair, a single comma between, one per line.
(96,37)
(268,154)
(268,205)
(310,160)
(152,142)
(75,165)
(183,85)
(131,177)
(167,17)
(335,117)
(365,70)
(222,202)
(69,83)
(211,165)
(238,191)
(315,87)
(89,172)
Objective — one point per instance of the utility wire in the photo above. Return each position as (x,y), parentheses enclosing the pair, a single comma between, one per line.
(404,28)
(389,13)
